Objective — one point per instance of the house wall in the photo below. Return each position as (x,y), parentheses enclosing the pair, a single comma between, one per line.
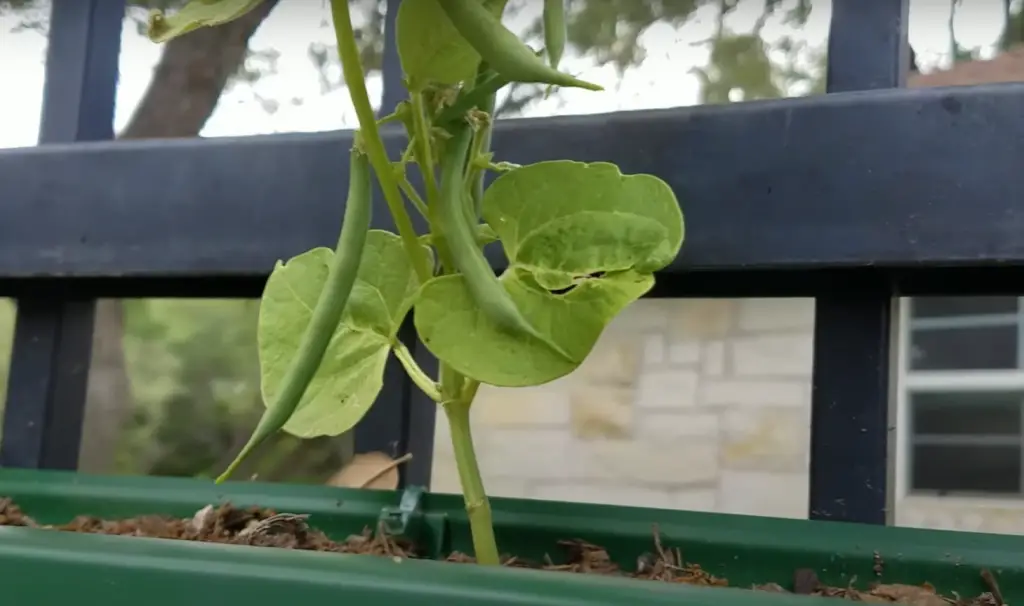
(698,404)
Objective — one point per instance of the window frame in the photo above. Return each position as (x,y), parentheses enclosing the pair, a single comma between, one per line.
(942,381)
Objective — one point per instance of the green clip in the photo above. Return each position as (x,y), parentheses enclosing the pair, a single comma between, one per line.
(397,520)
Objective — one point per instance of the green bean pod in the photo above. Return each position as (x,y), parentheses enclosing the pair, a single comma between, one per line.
(554,31)
(503,50)
(484,287)
(330,306)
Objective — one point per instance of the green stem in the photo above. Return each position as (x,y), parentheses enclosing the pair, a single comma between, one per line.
(475,174)
(352,70)
(420,378)
(477,506)
(421,142)
(425,159)
(407,155)
(414,197)
(484,135)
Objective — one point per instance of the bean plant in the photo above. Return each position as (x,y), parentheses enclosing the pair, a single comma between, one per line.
(582,241)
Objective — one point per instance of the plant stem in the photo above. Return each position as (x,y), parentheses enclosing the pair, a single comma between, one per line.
(478,508)
(483,143)
(421,145)
(352,70)
(424,156)
(414,197)
(416,373)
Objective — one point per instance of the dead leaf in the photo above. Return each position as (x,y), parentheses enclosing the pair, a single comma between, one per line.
(371,470)
(910,594)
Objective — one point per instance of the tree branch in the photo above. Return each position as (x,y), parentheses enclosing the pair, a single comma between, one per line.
(190,77)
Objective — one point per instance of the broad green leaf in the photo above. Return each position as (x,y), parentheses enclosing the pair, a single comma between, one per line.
(430,48)
(583,242)
(453,328)
(570,218)
(196,14)
(352,371)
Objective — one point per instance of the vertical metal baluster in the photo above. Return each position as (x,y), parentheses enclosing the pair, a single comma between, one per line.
(402,420)
(53,335)
(852,335)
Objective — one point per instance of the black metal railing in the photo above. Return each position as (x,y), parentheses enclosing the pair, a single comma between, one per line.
(853,198)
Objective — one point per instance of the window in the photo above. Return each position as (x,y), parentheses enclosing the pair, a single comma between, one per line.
(963,378)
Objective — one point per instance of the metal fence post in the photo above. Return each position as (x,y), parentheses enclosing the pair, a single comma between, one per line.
(867,49)
(402,420)
(53,335)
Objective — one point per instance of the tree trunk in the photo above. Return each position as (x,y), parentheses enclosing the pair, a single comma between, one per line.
(187,83)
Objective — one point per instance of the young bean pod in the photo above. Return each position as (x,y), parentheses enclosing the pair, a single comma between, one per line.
(503,50)
(554,31)
(485,289)
(341,277)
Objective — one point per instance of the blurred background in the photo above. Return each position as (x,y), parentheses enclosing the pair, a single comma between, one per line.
(691,404)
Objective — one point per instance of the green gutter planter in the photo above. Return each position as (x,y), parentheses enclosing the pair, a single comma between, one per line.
(52,567)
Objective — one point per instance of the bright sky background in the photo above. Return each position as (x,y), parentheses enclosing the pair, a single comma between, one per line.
(663,80)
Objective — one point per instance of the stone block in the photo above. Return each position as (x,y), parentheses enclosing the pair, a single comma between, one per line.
(544,405)
(642,317)
(699,319)
(625,495)
(601,413)
(615,360)
(667,389)
(695,499)
(764,493)
(766,439)
(753,393)
(684,353)
(683,425)
(773,355)
(444,478)
(442,435)
(655,463)
(712,359)
(528,453)
(512,488)
(655,351)
(444,475)
(770,314)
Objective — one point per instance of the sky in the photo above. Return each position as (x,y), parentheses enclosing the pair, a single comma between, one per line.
(661,81)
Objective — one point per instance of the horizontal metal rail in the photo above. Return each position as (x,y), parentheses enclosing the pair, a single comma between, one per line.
(899,179)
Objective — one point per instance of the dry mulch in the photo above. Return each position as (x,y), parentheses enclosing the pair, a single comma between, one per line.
(266,528)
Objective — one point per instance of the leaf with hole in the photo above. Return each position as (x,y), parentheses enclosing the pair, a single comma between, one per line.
(352,371)
(583,242)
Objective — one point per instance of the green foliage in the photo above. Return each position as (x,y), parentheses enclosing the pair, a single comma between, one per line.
(741,64)
(194,15)
(194,365)
(195,386)
(430,48)
(500,48)
(190,361)
(582,242)
(351,374)
(610,30)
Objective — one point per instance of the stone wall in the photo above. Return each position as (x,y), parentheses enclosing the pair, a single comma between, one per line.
(693,404)
(690,404)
